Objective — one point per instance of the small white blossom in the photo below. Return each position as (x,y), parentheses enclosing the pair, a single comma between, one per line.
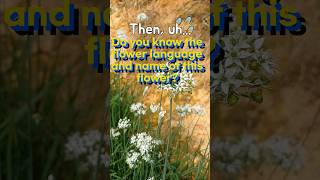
(285,152)
(198,110)
(234,155)
(185,84)
(154,107)
(187,109)
(151,178)
(138,108)
(121,34)
(247,67)
(142,17)
(86,148)
(114,133)
(143,142)
(132,159)
(161,114)
(124,123)
(184,110)
(143,145)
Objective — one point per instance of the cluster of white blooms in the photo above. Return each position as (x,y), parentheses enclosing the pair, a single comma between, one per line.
(245,70)
(143,145)
(138,109)
(234,155)
(187,109)
(185,84)
(132,158)
(124,123)
(184,110)
(285,152)
(87,148)
(141,17)
(151,178)
(198,110)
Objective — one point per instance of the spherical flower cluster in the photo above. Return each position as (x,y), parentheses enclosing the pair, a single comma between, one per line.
(144,142)
(234,155)
(132,158)
(86,147)
(245,70)
(124,123)
(138,109)
(284,152)
(143,145)
(186,83)
(187,109)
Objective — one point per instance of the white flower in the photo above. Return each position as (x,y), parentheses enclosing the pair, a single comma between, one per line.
(184,110)
(186,83)
(142,17)
(132,159)
(161,114)
(124,123)
(151,178)
(285,152)
(233,155)
(50,177)
(114,133)
(154,107)
(246,67)
(86,148)
(74,146)
(121,34)
(198,110)
(144,144)
(138,108)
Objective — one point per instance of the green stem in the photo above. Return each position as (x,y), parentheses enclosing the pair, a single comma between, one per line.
(168,142)
(160,120)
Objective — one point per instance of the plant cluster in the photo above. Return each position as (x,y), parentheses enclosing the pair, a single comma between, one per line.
(246,69)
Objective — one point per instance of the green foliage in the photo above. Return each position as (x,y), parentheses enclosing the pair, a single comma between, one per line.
(172,159)
(37,113)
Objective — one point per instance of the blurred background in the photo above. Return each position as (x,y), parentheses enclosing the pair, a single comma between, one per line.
(278,137)
(52,104)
